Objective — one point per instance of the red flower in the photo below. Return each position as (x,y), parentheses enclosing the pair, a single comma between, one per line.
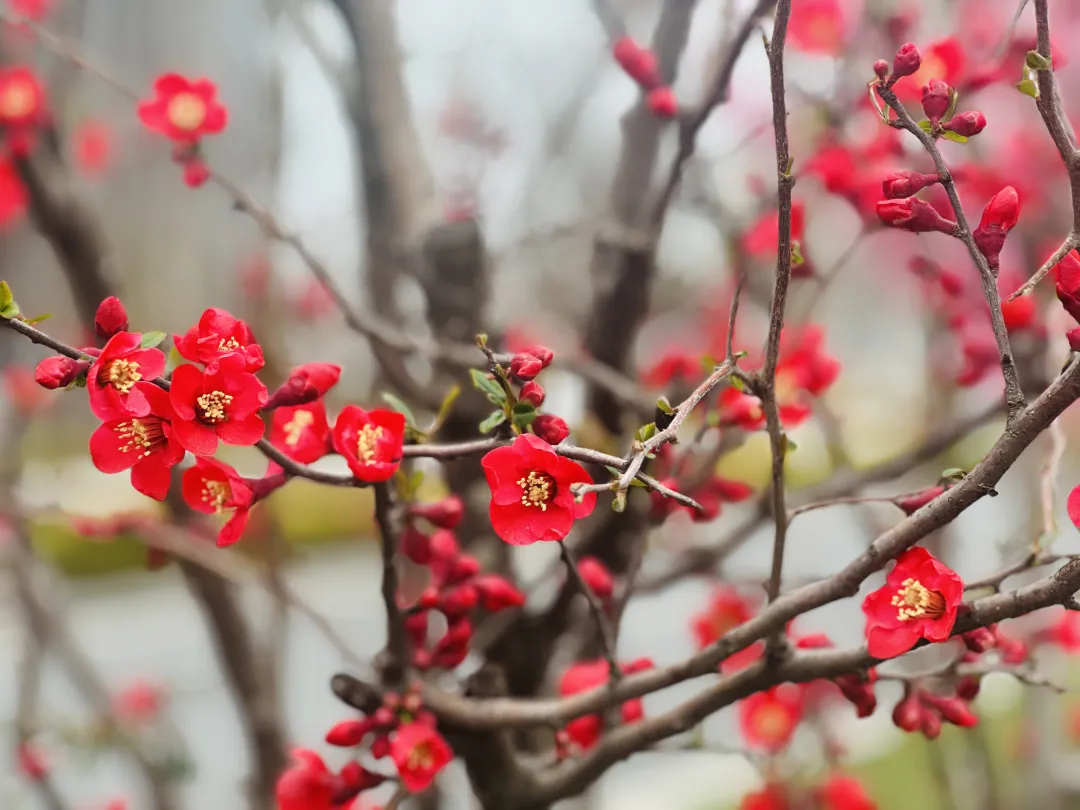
(530,491)
(662,102)
(92,147)
(307,785)
(31,762)
(217,334)
(968,124)
(22,388)
(22,106)
(301,432)
(675,364)
(771,797)
(739,409)
(768,719)
(58,371)
(760,240)
(147,445)
(12,193)
(919,600)
(370,441)
(584,676)
(212,487)
(1066,631)
(935,99)
(639,63)
(836,166)
(141,702)
(817,26)
(842,792)
(905,183)
(419,752)
(597,577)
(116,381)
(726,610)
(444,514)
(183,110)
(32,9)
(221,404)
(111,317)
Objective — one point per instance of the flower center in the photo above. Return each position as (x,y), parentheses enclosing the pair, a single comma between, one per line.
(211,407)
(296,426)
(230,344)
(216,493)
(186,111)
(772,723)
(421,758)
(367,441)
(121,375)
(142,436)
(914,601)
(17,100)
(537,489)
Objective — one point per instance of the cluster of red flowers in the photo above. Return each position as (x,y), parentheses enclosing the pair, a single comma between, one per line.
(584,676)
(838,792)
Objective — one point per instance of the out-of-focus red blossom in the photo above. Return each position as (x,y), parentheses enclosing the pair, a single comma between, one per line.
(370,441)
(999,217)
(906,62)
(196,172)
(919,600)
(597,577)
(116,381)
(530,491)
(22,388)
(110,318)
(12,193)
(32,9)
(917,500)
(31,761)
(445,514)
(771,797)
(315,302)
(637,62)
(817,26)
(551,428)
(712,495)
(58,371)
(935,99)
(1065,632)
(727,609)
(662,102)
(212,487)
(22,108)
(584,676)
(182,109)
(905,183)
(968,124)
(1012,650)
(92,147)
(739,409)
(768,719)
(301,432)
(307,785)
(843,792)
(147,445)
(760,239)
(222,404)
(419,752)
(672,365)
(533,393)
(141,702)
(915,215)
(216,335)
(944,59)
(305,384)
(497,593)
(253,274)
(1068,283)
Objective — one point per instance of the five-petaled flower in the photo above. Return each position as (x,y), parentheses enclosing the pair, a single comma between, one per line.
(530,491)
(301,432)
(22,107)
(183,110)
(768,719)
(919,600)
(419,752)
(370,441)
(212,487)
(221,404)
(216,334)
(117,380)
(146,445)
(583,676)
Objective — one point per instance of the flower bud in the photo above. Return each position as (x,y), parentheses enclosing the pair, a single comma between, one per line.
(907,61)
(967,687)
(1012,650)
(384,717)
(966,123)
(639,63)
(979,640)
(446,514)
(917,500)
(380,746)
(416,626)
(31,762)
(931,724)
(881,69)
(935,99)
(496,593)
(110,318)
(1073,336)
(915,215)
(662,102)
(349,733)
(195,173)
(463,567)
(525,366)
(541,353)
(444,546)
(551,428)
(999,217)
(533,393)
(58,371)
(597,577)
(416,545)
(953,710)
(1067,287)
(908,713)
(356,778)
(458,602)
(305,384)
(904,183)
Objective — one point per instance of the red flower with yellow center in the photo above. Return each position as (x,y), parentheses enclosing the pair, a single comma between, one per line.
(146,445)
(768,719)
(817,26)
(919,600)
(530,491)
(370,441)
(419,752)
(118,378)
(182,109)
(22,98)
(222,404)
(212,488)
(301,432)
(216,334)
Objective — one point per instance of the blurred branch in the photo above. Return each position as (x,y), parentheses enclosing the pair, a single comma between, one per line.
(603,626)
(395,655)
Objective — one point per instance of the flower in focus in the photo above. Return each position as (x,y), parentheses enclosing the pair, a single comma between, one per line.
(530,491)
(220,404)
(370,441)
(301,432)
(915,215)
(117,380)
(583,676)
(110,318)
(919,600)
(768,719)
(999,217)
(215,335)
(212,487)
(183,110)
(419,752)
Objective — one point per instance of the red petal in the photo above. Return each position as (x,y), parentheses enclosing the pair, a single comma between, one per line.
(233,529)
(196,437)
(244,431)
(106,452)
(882,642)
(187,386)
(1074,506)
(151,476)
(169,84)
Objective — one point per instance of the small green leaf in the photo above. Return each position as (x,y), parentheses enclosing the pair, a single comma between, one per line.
(618,503)
(401,485)
(484,383)
(925,125)
(5,295)
(738,384)
(446,406)
(481,340)
(953,472)
(952,136)
(791,446)
(1028,88)
(152,339)
(399,406)
(39,318)
(664,406)
(173,360)
(796,254)
(493,421)
(524,414)
(636,482)
(708,362)
(1036,61)
(645,432)
(615,471)
(415,481)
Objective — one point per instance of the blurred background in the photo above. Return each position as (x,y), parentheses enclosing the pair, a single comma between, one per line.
(516,120)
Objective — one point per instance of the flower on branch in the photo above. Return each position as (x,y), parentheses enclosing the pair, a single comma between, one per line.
(183,110)
(213,487)
(817,26)
(111,317)
(370,441)
(584,676)
(305,384)
(999,217)
(217,334)
(915,215)
(118,378)
(220,404)
(301,432)
(768,719)
(23,108)
(420,753)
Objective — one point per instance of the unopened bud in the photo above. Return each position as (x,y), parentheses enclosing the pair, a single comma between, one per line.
(597,577)
(525,366)
(999,217)
(662,102)
(907,61)
(881,69)
(979,640)
(639,63)
(446,514)
(905,183)
(496,593)
(416,545)
(967,687)
(551,428)
(936,97)
(533,393)
(110,318)
(917,500)
(908,713)
(966,123)
(915,215)
(541,353)
(305,384)
(58,372)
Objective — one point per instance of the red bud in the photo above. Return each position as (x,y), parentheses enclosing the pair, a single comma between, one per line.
(935,99)
(639,63)
(541,353)
(907,61)
(533,393)
(349,733)
(881,69)
(662,102)
(597,577)
(967,688)
(58,371)
(908,713)
(966,123)
(999,217)
(1073,336)
(917,500)
(915,215)
(979,640)
(931,724)
(463,568)
(416,545)
(444,546)
(551,428)
(953,710)
(446,514)
(458,602)
(904,183)
(525,366)
(305,384)
(110,318)
(496,593)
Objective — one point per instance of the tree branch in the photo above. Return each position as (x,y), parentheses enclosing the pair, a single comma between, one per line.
(395,654)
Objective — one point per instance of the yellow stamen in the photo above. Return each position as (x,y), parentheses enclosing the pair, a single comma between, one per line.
(420,758)
(296,426)
(140,435)
(121,375)
(216,493)
(772,723)
(17,101)
(367,441)
(537,489)
(212,407)
(186,111)
(228,345)
(914,601)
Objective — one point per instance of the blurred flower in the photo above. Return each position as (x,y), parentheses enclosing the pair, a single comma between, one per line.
(637,62)
(307,785)
(182,109)
(768,719)
(24,391)
(583,676)
(727,609)
(817,26)
(140,702)
(92,147)
(843,792)
(419,752)
(33,9)
(944,59)
(31,761)
(22,107)
(12,193)
(772,796)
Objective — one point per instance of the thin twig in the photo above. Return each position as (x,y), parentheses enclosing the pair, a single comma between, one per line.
(395,652)
(810,507)
(603,626)
(1070,243)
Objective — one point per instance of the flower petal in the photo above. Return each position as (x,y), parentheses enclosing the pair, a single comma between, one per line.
(244,431)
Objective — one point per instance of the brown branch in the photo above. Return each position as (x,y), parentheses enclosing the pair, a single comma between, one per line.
(1071,242)
(395,654)
(603,626)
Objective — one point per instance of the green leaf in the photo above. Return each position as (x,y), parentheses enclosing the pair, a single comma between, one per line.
(399,406)
(645,432)
(791,446)
(952,136)
(173,360)
(636,482)
(401,485)
(446,406)
(737,383)
(1036,61)
(1028,88)
(953,472)
(415,481)
(152,339)
(524,414)
(484,383)
(708,362)
(925,125)
(39,318)
(493,421)
(796,254)
(6,298)
(664,406)
(615,471)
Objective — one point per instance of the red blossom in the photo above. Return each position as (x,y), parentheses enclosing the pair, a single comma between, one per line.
(551,428)
(936,96)
(110,318)
(497,593)
(305,384)
(32,9)
(533,393)
(1068,283)
(217,334)
(740,409)
(772,796)
(584,676)
(140,702)
(915,215)
(1066,630)
(370,441)
(727,609)
(944,59)
(639,63)
(212,487)
(147,445)
(12,193)
(182,109)
(31,761)
(597,577)
(674,364)
(445,514)
(919,600)
(662,102)
(768,719)
(843,792)
(530,491)
(22,388)
(905,183)
(760,239)
(222,404)
(117,380)
(817,26)
(999,217)
(307,785)
(419,752)
(58,371)
(907,61)
(968,124)
(301,432)
(22,107)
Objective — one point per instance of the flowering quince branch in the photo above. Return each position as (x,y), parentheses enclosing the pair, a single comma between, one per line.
(1072,241)
(603,625)
(395,653)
